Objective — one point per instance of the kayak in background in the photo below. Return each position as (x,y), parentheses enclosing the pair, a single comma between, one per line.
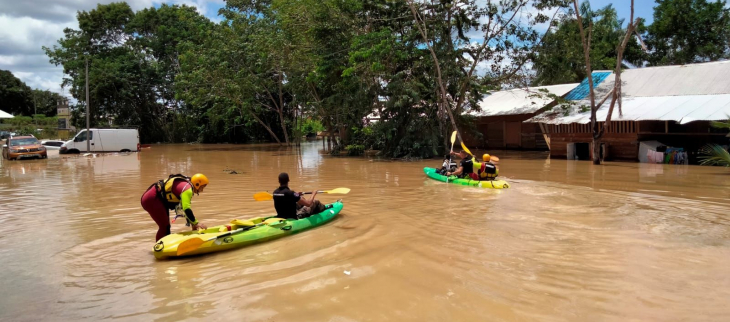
(492,184)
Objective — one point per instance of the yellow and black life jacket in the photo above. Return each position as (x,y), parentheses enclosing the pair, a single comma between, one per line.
(164,189)
(488,172)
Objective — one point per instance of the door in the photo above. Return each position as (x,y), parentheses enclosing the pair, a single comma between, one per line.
(80,141)
(513,134)
(97,140)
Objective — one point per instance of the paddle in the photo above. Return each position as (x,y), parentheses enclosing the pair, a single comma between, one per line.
(448,165)
(493,158)
(263,196)
(195,243)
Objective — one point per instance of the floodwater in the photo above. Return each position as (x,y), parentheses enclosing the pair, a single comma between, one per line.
(569,241)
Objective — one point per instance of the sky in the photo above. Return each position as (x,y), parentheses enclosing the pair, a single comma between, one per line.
(27,25)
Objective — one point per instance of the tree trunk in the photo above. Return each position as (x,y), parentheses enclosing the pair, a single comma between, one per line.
(444,100)
(267,127)
(597,151)
(283,126)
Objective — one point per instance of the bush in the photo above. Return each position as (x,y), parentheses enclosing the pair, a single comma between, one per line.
(308,127)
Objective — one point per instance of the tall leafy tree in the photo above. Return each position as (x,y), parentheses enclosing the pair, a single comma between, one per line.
(559,59)
(132,59)
(46,102)
(15,96)
(689,31)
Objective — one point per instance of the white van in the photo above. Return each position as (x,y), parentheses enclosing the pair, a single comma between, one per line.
(104,140)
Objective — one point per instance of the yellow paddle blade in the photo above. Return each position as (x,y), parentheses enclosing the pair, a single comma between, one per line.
(263,196)
(189,245)
(453,137)
(343,191)
(495,159)
(242,223)
(466,149)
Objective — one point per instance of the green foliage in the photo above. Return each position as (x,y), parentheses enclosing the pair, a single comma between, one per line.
(560,58)
(714,155)
(16,97)
(38,125)
(309,126)
(355,149)
(132,63)
(689,31)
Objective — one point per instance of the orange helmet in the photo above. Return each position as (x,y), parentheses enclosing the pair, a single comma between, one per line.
(486,157)
(199,180)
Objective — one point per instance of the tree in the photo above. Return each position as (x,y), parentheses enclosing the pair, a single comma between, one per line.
(689,31)
(15,95)
(46,102)
(218,72)
(133,60)
(616,91)
(559,58)
(504,43)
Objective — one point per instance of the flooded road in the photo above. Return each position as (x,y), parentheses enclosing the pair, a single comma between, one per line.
(568,241)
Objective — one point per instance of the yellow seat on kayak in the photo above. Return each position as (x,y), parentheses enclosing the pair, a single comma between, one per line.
(274,221)
(243,223)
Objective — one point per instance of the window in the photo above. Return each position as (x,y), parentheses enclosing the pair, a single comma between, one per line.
(53,143)
(23,141)
(82,136)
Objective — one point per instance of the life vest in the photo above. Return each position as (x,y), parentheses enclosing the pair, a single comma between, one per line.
(164,189)
(488,171)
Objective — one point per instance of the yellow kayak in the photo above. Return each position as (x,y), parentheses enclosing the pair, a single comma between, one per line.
(239,233)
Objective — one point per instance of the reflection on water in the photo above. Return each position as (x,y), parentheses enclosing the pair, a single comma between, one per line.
(569,241)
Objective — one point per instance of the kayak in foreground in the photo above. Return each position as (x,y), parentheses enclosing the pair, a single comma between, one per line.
(239,233)
(492,184)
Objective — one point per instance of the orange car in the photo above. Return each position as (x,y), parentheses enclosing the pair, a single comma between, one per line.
(20,147)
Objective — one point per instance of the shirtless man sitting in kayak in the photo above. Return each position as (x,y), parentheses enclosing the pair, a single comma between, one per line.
(290,204)
(466,166)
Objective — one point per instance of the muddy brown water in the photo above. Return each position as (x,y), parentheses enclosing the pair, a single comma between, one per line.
(568,241)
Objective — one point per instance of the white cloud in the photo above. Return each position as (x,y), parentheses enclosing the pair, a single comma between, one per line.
(28,25)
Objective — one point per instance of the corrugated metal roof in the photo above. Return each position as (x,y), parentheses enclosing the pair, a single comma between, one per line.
(4,115)
(520,100)
(583,90)
(681,93)
(683,109)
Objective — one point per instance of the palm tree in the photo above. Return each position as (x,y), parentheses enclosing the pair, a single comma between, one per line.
(713,153)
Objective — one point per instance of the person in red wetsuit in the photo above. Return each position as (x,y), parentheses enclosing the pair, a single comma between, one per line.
(165,195)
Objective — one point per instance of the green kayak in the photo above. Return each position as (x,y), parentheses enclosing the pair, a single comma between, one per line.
(491,184)
(239,233)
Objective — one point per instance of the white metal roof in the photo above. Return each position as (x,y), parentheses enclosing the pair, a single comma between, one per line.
(682,93)
(4,115)
(683,109)
(520,100)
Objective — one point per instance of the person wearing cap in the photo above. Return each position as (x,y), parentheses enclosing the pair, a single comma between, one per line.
(292,205)
(175,192)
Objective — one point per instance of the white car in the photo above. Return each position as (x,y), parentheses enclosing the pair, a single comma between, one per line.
(52,144)
(103,140)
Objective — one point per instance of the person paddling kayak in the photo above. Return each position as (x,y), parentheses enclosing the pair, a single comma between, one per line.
(165,195)
(290,204)
(466,166)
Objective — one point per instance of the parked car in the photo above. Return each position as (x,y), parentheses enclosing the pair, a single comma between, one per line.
(52,144)
(104,140)
(4,135)
(20,147)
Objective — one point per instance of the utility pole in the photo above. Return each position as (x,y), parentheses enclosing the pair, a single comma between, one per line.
(88,143)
